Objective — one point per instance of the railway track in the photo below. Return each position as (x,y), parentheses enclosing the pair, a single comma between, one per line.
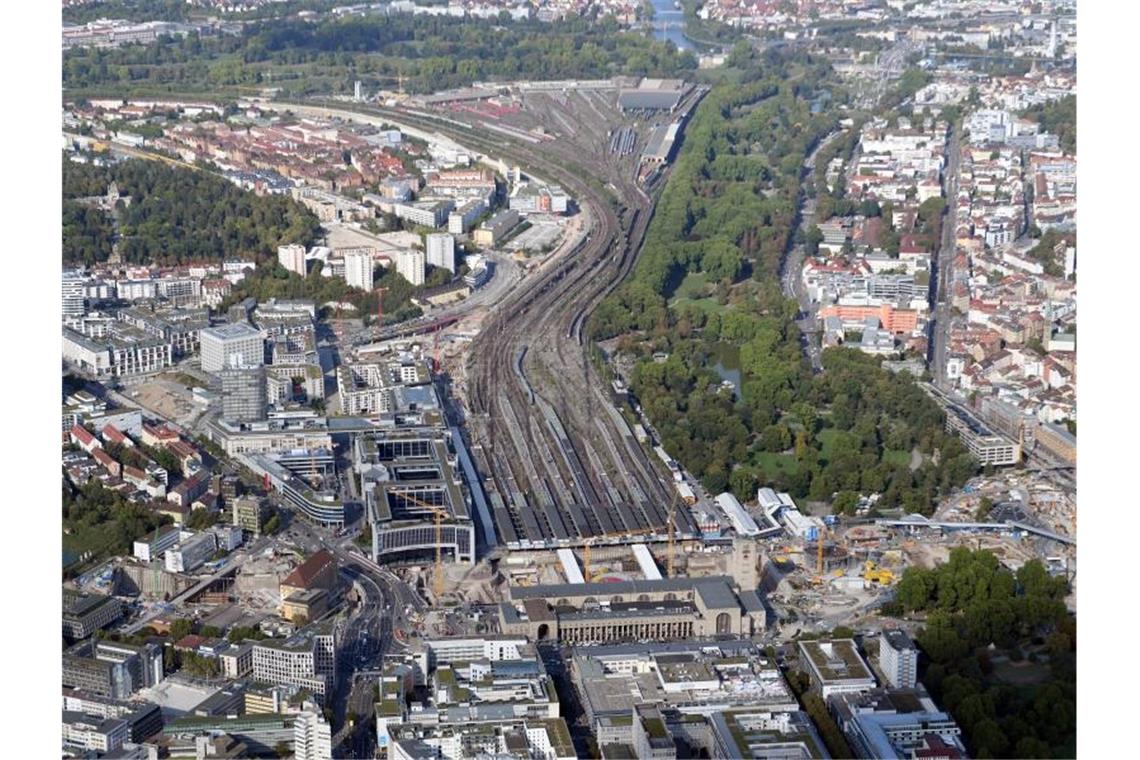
(563,461)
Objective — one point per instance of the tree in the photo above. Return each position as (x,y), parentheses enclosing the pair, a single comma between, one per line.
(180,628)
(846,502)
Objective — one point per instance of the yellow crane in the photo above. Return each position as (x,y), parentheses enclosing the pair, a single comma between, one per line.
(439,514)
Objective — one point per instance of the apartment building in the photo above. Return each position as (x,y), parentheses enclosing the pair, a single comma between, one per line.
(292,257)
(358,270)
(441,251)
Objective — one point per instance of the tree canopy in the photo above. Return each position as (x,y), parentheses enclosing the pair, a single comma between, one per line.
(174,215)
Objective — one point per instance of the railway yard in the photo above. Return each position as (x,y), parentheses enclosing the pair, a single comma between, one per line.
(527,385)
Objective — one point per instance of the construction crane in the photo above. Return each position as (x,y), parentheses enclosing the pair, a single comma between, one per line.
(438,514)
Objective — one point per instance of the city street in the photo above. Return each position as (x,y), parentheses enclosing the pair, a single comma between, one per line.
(943,266)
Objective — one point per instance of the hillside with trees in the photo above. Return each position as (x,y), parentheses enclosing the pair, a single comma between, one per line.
(706,290)
(425,53)
(174,215)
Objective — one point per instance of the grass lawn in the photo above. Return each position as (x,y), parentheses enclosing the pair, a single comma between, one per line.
(777,463)
(692,286)
(708,305)
(97,539)
(896,457)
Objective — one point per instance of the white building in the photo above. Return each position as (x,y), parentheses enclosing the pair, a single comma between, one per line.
(94,733)
(410,264)
(73,292)
(312,735)
(191,554)
(220,345)
(898,659)
(835,667)
(292,257)
(441,251)
(358,270)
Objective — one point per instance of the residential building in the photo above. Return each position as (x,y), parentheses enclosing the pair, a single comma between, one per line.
(426,213)
(74,287)
(462,219)
(358,270)
(232,344)
(410,264)
(898,659)
(441,251)
(292,257)
(312,735)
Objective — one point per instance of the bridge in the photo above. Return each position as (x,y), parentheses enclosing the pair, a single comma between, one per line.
(918,521)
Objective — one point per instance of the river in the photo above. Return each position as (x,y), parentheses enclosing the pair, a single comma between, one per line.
(669,24)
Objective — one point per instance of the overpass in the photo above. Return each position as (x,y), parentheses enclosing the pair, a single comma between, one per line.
(918,521)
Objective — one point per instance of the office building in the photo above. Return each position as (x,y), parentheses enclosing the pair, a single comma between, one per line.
(143,662)
(250,514)
(83,614)
(441,251)
(145,719)
(358,270)
(896,723)
(237,660)
(410,265)
(235,344)
(104,678)
(312,735)
(152,547)
(492,231)
(191,553)
(244,393)
(262,735)
(651,737)
(987,446)
(898,659)
(696,678)
(92,733)
(292,257)
(306,660)
(835,667)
